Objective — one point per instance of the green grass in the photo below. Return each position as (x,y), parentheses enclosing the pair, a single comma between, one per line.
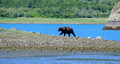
(6,32)
(55,20)
(119,12)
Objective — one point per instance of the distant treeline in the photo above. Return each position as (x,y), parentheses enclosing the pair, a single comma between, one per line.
(56,8)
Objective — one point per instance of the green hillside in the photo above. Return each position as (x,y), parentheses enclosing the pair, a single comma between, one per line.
(56,8)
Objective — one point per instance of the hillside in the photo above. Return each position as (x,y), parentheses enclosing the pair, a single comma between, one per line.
(56,8)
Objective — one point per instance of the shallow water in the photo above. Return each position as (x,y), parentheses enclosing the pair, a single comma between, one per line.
(63,58)
(81,30)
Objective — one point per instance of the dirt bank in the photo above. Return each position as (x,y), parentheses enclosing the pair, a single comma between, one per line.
(13,39)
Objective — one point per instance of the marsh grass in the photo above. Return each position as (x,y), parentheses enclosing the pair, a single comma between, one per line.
(55,20)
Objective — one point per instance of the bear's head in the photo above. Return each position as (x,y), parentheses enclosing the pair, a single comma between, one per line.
(60,29)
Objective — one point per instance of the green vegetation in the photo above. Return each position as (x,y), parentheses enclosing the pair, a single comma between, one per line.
(119,12)
(56,8)
(6,32)
(55,20)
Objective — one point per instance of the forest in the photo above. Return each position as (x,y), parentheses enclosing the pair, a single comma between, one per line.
(56,8)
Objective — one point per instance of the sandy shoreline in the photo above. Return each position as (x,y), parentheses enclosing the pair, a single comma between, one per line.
(11,39)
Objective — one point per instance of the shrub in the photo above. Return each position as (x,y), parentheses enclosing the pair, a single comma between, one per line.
(3,12)
(12,12)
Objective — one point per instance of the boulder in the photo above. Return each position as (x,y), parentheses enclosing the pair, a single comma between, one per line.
(113,22)
(89,37)
(99,38)
(13,28)
(31,32)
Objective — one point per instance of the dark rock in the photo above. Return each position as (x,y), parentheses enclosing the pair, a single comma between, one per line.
(111,28)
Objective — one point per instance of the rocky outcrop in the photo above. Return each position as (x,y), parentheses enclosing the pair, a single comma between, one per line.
(113,22)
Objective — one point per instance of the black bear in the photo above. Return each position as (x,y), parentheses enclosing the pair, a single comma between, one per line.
(66,30)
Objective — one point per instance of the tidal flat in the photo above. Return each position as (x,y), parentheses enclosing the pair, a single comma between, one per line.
(15,40)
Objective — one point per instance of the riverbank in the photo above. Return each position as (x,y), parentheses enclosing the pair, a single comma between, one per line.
(21,40)
(24,20)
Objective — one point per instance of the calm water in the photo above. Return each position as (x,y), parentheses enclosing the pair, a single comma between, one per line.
(63,59)
(81,30)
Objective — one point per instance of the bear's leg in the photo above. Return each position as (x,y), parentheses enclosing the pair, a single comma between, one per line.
(61,34)
(73,34)
(69,34)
